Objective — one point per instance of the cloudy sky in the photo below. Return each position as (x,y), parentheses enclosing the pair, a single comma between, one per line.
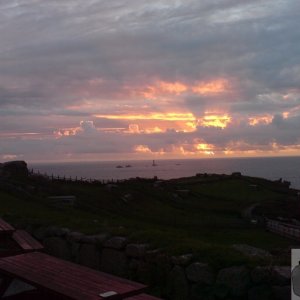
(134,79)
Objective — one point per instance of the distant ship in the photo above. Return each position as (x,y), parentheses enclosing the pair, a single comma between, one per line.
(119,167)
(154,164)
(128,166)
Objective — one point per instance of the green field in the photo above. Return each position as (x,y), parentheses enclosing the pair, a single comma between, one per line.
(192,215)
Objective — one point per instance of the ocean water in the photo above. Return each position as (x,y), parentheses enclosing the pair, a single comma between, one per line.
(287,168)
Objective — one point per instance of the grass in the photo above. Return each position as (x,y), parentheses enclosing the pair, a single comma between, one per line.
(205,222)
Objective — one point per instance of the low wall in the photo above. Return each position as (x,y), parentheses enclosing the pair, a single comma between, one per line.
(176,278)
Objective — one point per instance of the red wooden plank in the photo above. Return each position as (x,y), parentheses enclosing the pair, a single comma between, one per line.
(66,278)
(53,283)
(91,281)
(5,227)
(47,283)
(62,276)
(49,263)
(19,239)
(90,274)
(70,269)
(26,241)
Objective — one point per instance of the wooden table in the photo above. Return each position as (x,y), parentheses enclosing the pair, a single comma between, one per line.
(5,228)
(66,280)
(13,242)
(26,242)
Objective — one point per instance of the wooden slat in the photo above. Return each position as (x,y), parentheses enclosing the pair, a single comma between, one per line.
(93,273)
(5,227)
(26,241)
(65,278)
(49,283)
(62,275)
(51,266)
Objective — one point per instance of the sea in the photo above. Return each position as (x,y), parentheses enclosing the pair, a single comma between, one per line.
(273,168)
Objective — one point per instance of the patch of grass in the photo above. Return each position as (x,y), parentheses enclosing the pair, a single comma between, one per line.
(206,221)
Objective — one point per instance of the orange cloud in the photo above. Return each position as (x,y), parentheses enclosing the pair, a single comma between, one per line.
(142,149)
(133,128)
(267,119)
(205,148)
(155,129)
(164,88)
(285,114)
(195,148)
(172,116)
(199,146)
(66,132)
(214,120)
(173,88)
(211,87)
(244,149)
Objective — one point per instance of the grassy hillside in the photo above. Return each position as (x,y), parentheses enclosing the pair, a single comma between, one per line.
(191,215)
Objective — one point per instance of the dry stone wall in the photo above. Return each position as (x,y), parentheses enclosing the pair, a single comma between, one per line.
(176,278)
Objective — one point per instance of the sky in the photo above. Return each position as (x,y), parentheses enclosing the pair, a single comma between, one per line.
(136,79)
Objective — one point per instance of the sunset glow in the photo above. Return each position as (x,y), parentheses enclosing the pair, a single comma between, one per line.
(142,149)
(211,120)
(205,148)
(163,88)
(173,88)
(260,120)
(111,80)
(211,87)
(152,116)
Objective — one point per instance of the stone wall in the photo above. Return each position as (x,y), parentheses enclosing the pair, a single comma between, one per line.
(176,278)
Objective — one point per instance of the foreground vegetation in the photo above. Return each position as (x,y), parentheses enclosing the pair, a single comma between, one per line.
(200,215)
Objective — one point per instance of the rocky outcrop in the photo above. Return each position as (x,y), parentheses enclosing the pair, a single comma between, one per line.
(261,292)
(136,250)
(182,260)
(116,243)
(236,280)
(281,275)
(261,275)
(14,169)
(178,284)
(89,256)
(114,261)
(200,273)
(281,292)
(57,247)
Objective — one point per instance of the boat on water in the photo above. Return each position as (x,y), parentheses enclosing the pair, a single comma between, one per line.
(153,163)
(128,166)
(119,167)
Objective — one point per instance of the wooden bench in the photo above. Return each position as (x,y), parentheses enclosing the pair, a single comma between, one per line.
(26,242)
(5,228)
(142,297)
(61,279)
